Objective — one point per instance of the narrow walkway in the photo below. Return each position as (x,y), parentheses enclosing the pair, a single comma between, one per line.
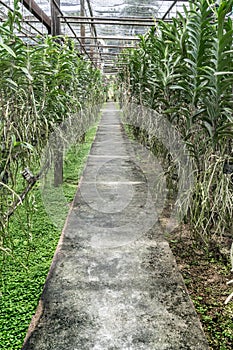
(114,283)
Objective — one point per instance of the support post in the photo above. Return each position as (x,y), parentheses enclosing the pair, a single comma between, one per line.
(58,163)
(32,6)
(82,26)
(58,152)
(55,18)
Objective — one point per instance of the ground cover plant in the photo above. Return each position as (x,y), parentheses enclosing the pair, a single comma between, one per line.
(205,276)
(42,85)
(33,243)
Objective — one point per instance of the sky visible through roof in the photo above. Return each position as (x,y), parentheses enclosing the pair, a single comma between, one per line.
(107,8)
(106,33)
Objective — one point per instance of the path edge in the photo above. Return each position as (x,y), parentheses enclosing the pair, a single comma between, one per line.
(40,307)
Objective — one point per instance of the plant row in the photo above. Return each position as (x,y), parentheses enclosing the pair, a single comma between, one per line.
(41,85)
(183,70)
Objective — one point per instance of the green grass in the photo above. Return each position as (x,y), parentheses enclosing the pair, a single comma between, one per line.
(23,273)
(218,326)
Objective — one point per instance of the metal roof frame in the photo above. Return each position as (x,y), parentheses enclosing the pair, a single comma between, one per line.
(91,44)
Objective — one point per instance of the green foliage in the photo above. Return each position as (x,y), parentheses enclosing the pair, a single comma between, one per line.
(183,70)
(40,86)
(218,326)
(73,165)
(33,240)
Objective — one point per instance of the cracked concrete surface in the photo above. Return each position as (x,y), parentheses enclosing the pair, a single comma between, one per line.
(114,283)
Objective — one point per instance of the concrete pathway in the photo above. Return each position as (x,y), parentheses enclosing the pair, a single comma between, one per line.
(114,283)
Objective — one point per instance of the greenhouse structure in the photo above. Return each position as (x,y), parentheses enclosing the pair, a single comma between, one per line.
(116,174)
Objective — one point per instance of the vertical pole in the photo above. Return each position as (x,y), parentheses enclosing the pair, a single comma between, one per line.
(92,46)
(55,20)
(58,149)
(82,27)
(83,34)
(58,162)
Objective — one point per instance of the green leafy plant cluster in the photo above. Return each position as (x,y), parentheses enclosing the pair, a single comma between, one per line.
(23,273)
(183,70)
(218,326)
(40,86)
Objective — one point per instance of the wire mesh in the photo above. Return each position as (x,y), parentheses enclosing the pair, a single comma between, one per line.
(108,25)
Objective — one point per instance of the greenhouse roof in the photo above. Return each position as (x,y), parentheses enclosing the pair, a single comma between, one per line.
(101,28)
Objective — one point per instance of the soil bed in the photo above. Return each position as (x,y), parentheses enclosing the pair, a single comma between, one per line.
(205,276)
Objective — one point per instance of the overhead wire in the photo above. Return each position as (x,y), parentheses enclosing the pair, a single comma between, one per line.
(24,20)
(169,9)
(93,30)
(73,32)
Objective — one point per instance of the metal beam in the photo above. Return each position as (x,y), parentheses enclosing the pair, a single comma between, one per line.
(111,46)
(170,8)
(120,47)
(32,6)
(72,30)
(82,24)
(135,23)
(93,25)
(121,19)
(130,38)
(115,54)
(27,22)
(91,16)
(114,19)
(55,20)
